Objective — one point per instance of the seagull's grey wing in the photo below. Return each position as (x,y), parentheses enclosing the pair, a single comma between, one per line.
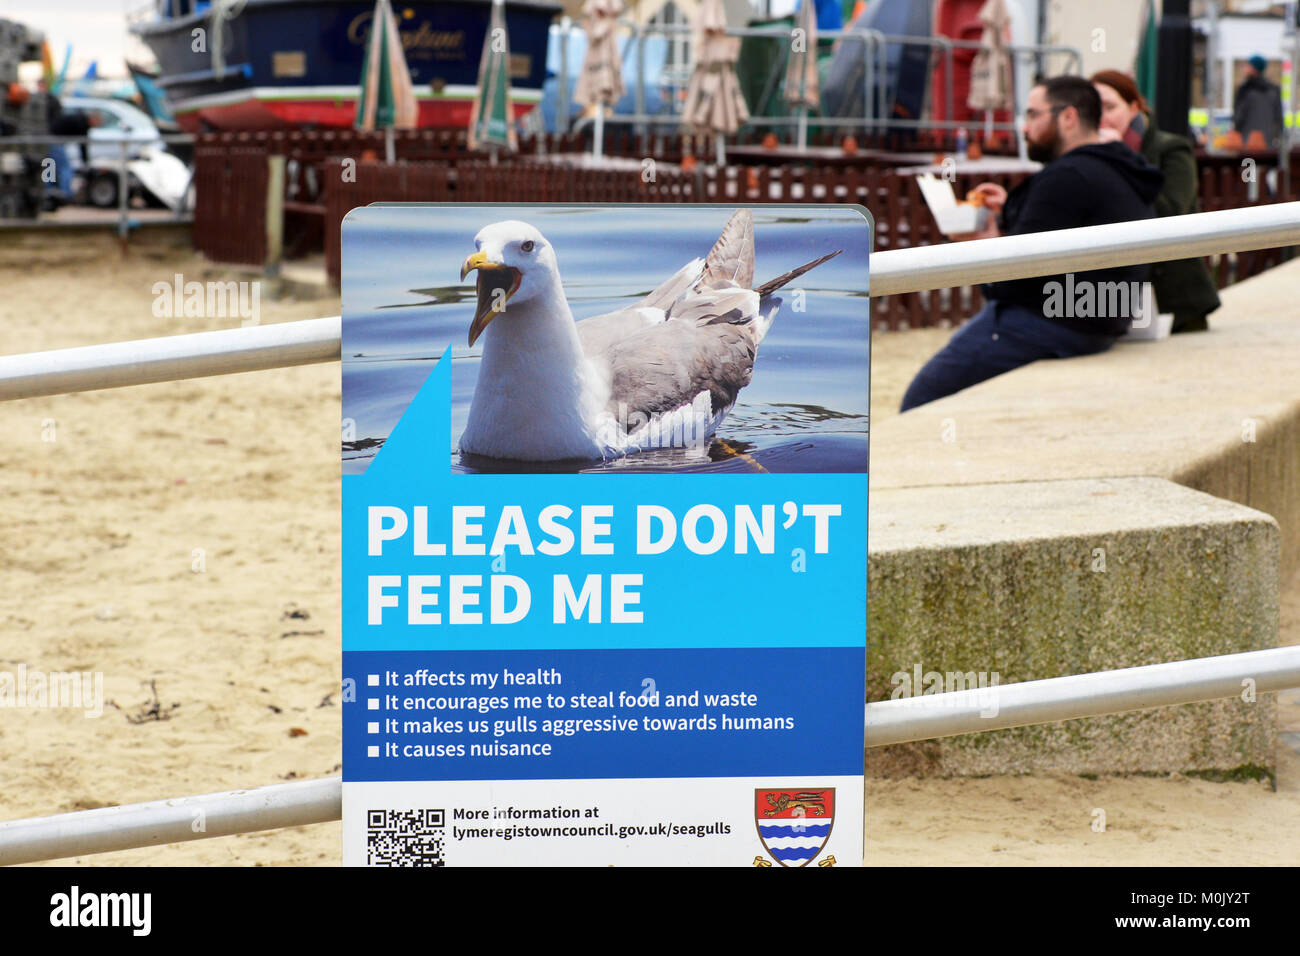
(600,331)
(672,288)
(731,260)
(698,332)
(708,345)
(729,263)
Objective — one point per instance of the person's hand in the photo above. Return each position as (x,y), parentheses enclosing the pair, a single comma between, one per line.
(992,197)
(1107,135)
(995,197)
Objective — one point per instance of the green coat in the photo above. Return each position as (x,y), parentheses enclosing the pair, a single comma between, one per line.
(1185,285)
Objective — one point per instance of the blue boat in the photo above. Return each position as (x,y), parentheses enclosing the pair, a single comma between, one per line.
(297,63)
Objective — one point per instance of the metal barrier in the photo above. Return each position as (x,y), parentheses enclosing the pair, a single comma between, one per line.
(171,821)
(123,174)
(1091,247)
(170,358)
(1080,695)
(892,272)
(886,722)
(873,44)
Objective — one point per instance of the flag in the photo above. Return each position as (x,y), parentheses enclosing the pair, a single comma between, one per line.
(47,65)
(86,85)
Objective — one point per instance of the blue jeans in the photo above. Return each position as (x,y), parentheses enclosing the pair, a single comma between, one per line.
(1001,337)
(62,185)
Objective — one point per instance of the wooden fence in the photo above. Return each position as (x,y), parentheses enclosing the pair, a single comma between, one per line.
(230,211)
(331,172)
(895,202)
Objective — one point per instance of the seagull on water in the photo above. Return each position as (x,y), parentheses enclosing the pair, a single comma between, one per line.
(661,373)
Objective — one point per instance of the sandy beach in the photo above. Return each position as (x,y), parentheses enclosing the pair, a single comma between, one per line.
(183,539)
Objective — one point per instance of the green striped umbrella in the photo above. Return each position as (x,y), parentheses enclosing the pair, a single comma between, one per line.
(491,121)
(387,98)
(1144,70)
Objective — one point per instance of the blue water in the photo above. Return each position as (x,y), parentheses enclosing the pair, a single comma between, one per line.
(804,411)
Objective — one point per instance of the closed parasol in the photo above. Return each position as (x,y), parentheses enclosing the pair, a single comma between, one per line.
(387,98)
(802,92)
(600,84)
(990,73)
(491,120)
(714,103)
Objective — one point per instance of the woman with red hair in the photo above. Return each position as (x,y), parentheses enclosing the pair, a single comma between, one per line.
(1184,287)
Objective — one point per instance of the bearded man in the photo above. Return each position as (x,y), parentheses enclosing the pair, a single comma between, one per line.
(1084,182)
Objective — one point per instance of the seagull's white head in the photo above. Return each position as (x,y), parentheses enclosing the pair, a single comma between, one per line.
(515,263)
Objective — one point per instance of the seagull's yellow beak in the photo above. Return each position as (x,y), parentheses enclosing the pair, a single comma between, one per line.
(496,284)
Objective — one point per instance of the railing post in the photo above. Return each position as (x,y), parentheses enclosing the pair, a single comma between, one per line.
(123,194)
(562,87)
(274,213)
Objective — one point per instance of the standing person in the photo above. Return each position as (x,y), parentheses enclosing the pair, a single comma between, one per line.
(1085,182)
(1258,104)
(61,123)
(1185,287)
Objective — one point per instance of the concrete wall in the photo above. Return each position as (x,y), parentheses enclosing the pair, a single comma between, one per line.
(1023,581)
(1179,460)
(1217,411)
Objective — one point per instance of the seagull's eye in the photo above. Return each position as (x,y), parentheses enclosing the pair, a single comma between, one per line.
(526,245)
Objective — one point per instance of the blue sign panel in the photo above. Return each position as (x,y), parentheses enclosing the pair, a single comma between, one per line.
(604,534)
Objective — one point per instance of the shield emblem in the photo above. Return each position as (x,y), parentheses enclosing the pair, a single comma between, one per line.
(794,825)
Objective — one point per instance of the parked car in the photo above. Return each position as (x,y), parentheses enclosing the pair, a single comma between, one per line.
(154,173)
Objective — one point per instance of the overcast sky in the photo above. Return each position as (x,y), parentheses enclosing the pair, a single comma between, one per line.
(95,28)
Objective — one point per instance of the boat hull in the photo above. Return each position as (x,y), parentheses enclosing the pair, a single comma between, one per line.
(255,108)
(294,63)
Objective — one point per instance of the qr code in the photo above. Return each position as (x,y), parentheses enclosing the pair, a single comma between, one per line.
(404,837)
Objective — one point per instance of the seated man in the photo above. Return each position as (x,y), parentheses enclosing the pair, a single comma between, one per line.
(1084,182)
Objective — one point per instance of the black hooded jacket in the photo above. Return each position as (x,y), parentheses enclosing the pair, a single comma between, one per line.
(1088,186)
(1258,106)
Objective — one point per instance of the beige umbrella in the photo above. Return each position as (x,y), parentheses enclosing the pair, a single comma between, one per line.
(801,85)
(600,84)
(990,72)
(714,103)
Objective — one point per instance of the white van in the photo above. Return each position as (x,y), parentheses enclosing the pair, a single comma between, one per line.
(156,174)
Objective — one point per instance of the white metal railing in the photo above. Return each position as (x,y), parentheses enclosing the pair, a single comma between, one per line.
(171,821)
(170,358)
(892,272)
(1081,695)
(1091,247)
(886,722)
